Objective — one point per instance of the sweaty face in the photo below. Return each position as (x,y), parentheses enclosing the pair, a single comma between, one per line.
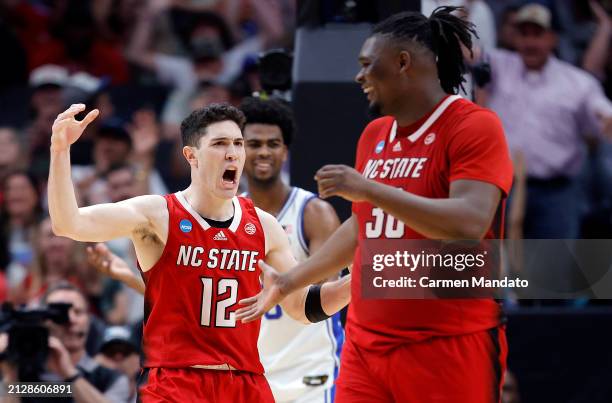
(265,152)
(219,159)
(73,334)
(378,76)
(535,45)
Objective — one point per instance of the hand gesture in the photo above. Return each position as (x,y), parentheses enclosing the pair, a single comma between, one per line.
(341,180)
(66,129)
(107,263)
(270,296)
(59,359)
(600,13)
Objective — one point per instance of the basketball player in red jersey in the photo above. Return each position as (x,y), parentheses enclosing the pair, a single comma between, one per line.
(436,166)
(198,251)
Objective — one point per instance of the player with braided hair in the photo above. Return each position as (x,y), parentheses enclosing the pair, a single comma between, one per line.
(435,166)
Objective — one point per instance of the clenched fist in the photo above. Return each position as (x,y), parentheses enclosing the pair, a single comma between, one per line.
(343,181)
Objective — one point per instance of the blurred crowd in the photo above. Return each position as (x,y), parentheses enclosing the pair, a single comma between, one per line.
(145,64)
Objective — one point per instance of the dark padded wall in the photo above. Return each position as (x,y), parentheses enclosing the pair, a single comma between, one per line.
(330,109)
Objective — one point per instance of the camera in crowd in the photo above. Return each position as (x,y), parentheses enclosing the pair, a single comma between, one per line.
(274,68)
(28,345)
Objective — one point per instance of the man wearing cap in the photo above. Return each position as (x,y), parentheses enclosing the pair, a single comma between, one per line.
(548,108)
(67,359)
(119,351)
(46,101)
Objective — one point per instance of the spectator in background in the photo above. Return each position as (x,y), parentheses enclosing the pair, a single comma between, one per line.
(574,22)
(120,352)
(46,101)
(597,177)
(28,23)
(547,107)
(119,304)
(212,55)
(506,31)
(11,155)
(115,144)
(145,132)
(76,45)
(123,183)
(92,382)
(598,57)
(55,261)
(20,214)
(112,145)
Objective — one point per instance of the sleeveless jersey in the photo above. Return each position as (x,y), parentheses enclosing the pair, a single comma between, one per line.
(291,352)
(457,140)
(192,292)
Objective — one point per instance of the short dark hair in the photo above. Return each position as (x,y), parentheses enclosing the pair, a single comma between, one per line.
(64,285)
(442,33)
(113,129)
(194,126)
(270,112)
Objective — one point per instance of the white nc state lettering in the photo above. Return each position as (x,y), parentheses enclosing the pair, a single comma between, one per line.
(222,259)
(188,256)
(394,168)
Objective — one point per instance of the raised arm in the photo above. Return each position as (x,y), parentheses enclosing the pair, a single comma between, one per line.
(95,223)
(596,55)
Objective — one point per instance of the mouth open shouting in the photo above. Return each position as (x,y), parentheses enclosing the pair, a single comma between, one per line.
(230,178)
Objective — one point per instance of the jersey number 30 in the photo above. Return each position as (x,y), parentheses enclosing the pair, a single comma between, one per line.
(393,228)
(222,317)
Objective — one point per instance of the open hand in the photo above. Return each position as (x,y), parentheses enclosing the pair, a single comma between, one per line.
(66,129)
(107,263)
(270,296)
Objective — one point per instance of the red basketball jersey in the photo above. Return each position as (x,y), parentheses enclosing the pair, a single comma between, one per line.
(457,140)
(192,292)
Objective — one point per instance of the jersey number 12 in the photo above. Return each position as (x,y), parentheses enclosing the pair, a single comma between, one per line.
(222,317)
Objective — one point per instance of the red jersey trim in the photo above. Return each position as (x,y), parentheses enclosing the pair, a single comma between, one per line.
(429,122)
(144,274)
